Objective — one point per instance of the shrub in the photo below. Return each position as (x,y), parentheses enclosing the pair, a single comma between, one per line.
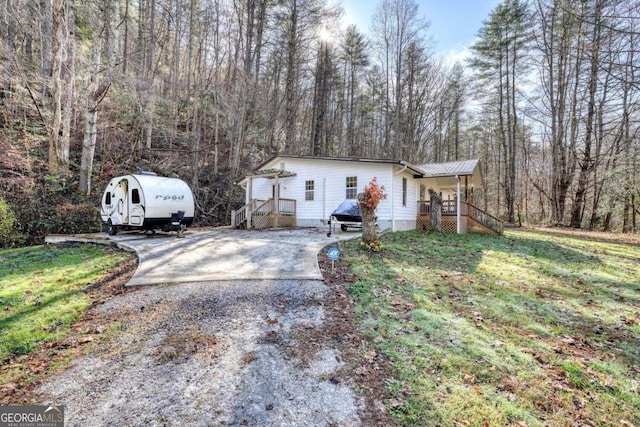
(8,225)
(369,199)
(372,246)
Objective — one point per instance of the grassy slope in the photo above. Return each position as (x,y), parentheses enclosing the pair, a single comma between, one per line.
(42,291)
(533,328)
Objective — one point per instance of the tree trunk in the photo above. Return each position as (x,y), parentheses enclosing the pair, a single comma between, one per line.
(69,76)
(320,96)
(150,104)
(435,211)
(7,34)
(56,155)
(47,38)
(291,79)
(369,225)
(97,91)
(586,164)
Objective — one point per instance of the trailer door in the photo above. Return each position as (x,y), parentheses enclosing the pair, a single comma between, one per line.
(122,197)
(136,207)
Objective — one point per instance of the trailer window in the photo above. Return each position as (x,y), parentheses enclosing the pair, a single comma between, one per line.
(107,200)
(135,196)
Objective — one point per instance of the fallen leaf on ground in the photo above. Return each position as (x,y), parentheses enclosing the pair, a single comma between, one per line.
(394,403)
(468,378)
(511,384)
(578,402)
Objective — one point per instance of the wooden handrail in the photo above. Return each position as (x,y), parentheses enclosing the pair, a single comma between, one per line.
(238,217)
(257,212)
(449,208)
(484,218)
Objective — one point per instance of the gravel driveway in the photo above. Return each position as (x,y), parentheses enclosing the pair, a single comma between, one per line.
(229,352)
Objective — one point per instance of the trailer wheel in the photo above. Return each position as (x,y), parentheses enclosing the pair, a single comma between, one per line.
(343,227)
(111,229)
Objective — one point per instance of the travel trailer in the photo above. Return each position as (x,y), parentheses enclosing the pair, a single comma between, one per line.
(147,202)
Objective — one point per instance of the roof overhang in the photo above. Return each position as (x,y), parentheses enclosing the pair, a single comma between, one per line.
(440,171)
(270,174)
(469,170)
(267,174)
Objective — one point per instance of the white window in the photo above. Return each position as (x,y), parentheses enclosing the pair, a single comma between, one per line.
(352,187)
(404,191)
(309,187)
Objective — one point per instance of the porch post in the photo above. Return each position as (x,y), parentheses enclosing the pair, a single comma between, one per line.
(249,207)
(276,201)
(466,188)
(458,224)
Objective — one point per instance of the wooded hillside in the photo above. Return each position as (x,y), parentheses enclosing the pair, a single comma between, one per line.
(206,89)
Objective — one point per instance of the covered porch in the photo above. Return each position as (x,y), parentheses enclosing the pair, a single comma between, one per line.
(455,185)
(462,218)
(274,212)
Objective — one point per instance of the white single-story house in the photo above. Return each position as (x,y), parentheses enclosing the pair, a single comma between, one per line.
(303,191)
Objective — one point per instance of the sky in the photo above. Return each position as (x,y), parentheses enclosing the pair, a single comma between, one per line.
(454,23)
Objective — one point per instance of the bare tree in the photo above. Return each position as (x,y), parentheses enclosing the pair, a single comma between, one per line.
(396,26)
(98,87)
(586,163)
(355,58)
(559,34)
(498,59)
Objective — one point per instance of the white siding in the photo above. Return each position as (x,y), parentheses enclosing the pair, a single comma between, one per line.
(329,178)
(405,216)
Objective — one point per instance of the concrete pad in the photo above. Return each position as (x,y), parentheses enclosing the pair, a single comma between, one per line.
(223,254)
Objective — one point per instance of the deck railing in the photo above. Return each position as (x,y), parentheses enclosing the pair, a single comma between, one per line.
(449,208)
(239,217)
(287,206)
(255,214)
(485,218)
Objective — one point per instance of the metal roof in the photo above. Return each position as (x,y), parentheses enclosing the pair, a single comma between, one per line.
(428,170)
(408,165)
(462,167)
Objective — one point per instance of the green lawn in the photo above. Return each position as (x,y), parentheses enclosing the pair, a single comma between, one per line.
(531,328)
(42,291)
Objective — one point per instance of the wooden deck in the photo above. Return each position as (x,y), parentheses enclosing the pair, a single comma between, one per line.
(472,219)
(262,214)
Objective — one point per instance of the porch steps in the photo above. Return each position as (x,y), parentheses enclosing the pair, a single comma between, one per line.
(474,220)
(480,221)
(261,214)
